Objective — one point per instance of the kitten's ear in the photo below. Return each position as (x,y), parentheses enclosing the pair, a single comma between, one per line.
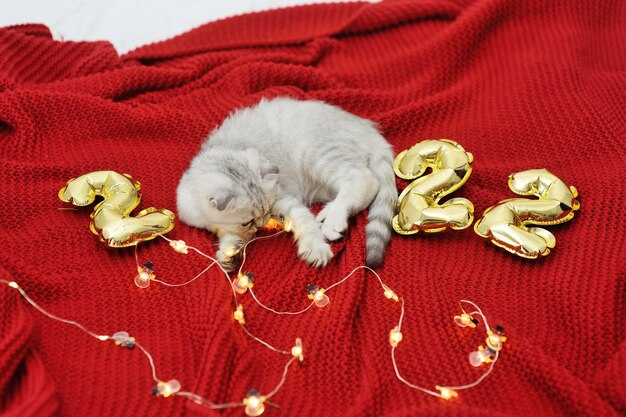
(221,199)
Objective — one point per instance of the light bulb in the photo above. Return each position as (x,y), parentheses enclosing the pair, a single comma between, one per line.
(297,350)
(446,393)
(317,295)
(287,224)
(464,320)
(395,336)
(13,284)
(144,275)
(254,403)
(179,246)
(495,339)
(238,315)
(165,389)
(390,294)
(243,282)
(103,338)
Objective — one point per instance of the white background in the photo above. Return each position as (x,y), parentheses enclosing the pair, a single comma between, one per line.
(129,23)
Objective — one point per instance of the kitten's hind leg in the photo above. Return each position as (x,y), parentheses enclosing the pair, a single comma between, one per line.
(355,192)
(312,247)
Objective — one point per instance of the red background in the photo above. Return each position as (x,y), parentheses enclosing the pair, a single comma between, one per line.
(520,84)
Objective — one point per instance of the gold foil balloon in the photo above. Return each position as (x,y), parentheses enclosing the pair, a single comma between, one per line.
(506,223)
(110,218)
(418,205)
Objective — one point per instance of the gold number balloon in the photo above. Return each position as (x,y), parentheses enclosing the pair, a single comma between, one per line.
(506,223)
(110,218)
(418,205)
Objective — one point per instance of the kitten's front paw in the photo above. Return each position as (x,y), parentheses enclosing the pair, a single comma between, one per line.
(314,250)
(228,263)
(334,222)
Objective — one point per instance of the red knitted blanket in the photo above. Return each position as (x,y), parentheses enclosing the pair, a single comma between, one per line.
(520,84)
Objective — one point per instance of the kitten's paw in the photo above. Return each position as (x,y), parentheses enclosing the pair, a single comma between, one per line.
(228,263)
(333,228)
(334,221)
(314,250)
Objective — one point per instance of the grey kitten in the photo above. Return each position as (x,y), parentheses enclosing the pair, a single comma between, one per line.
(279,157)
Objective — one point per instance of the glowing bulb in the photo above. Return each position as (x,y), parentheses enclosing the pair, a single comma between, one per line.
(447,393)
(103,337)
(317,295)
(390,294)
(13,284)
(395,336)
(465,320)
(287,224)
(495,339)
(179,246)
(238,315)
(165,389)
(297,351)
(254,403)
(243,282)
(144,275)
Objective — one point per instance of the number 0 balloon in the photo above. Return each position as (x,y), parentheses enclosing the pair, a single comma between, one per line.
(110,218)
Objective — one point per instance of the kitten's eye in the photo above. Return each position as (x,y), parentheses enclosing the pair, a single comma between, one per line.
(247,224)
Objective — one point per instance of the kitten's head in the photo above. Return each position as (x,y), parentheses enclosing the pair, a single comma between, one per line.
(229,192)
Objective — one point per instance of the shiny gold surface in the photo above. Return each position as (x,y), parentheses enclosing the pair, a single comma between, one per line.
(505,224)
(110,218)
(418,205)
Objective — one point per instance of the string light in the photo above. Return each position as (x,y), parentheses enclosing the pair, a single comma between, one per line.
(389,294)
(395,336)
(145,274)
(317,295)
(179,246)
(297,350)
(123,339)
(238,315)
(165,389)
(171,387)
(243,282)
(255,403)
(465,320)
(446,393)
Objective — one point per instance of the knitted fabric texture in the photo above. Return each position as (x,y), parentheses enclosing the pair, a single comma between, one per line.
(520,84)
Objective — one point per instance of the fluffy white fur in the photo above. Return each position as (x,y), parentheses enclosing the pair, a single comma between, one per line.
(281,156)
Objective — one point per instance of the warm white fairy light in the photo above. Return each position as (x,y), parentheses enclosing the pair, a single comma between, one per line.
(163,389)
(297,350)
(238,315)
(243,282)
(179,246)
(389,294)
(446,393)
(254,403)
(395,336)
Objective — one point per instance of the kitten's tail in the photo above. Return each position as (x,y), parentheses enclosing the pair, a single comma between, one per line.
(378,229)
